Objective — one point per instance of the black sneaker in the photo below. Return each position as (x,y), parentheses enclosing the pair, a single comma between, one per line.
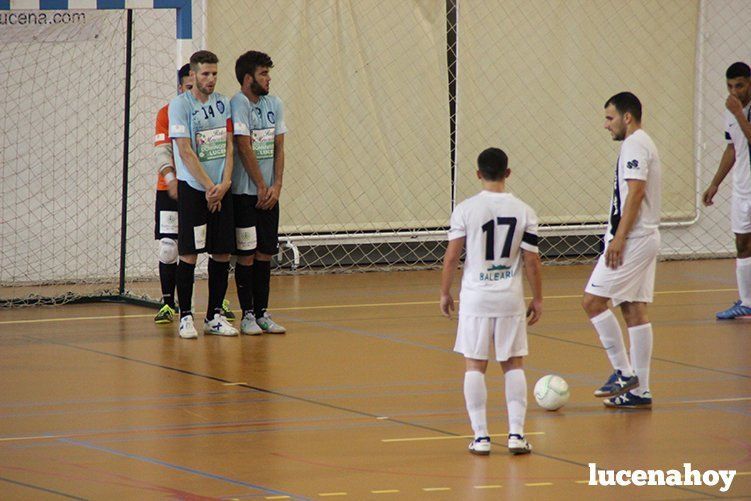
(617,384)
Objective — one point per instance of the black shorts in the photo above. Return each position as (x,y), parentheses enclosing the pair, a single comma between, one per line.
(165,216)
(201,230)
(256,229)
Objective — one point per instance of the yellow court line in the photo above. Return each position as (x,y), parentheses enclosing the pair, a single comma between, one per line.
(538,484)
(742,473)
(488,486)
(741,399)
(452,437)
(234,384)
(40,437)
(436,489)
(324,307)
(385,491)
(581,481)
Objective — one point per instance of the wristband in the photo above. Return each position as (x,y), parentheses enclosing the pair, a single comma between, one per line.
(169,177)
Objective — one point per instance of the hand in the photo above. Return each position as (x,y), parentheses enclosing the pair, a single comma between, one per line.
(447,305)
(172,189)
(262,190)
(734,106)
(534,311)
(271,198)
(614,253)
(215,206)
(708,195)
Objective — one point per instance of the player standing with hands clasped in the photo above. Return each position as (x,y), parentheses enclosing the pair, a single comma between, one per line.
(625,272)
(201,130)
(736,157)
(259,131)
(500,232)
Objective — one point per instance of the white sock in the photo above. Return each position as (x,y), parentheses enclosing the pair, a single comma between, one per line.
(516,400)
(611,338)
(476,398)
(641,355)
(743,275)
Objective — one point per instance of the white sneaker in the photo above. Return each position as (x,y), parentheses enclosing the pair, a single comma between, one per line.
(187,330)
(517,444)
(269,325)
(218,326)
(248,326)
(480,446)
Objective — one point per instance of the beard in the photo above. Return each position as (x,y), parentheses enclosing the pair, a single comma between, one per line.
(256,89)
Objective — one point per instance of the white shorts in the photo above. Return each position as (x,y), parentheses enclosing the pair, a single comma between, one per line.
(475,334)
(740,215)
(634,280)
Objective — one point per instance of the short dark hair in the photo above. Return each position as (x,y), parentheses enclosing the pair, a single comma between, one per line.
(626,102)
(248,62)
(738,69)
(492,164)
(202,57)
(183,72)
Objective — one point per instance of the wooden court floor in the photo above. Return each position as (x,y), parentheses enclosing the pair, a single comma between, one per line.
(361,399)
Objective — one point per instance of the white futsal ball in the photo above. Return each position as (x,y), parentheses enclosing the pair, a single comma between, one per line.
(551,392)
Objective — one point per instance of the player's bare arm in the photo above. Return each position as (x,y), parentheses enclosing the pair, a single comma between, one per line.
(533,273)
(190,159)
(636,192)
(249,161)
(726,163)
(735,106)
(216,194)
(450,263)
(275,190)
(166,163)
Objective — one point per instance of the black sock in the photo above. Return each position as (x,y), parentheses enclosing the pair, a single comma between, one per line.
(244,282)
(261,284)
(218,277)
(167,279)
(184,278)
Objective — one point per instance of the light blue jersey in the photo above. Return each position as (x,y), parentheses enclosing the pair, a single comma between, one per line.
(209,126)
(263,121)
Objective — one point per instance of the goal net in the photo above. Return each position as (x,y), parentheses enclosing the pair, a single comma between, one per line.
(387,105)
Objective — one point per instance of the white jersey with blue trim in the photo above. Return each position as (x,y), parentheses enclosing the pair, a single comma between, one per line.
(742,167)
(638,159)
(262,121)
(209,127)
(497,227)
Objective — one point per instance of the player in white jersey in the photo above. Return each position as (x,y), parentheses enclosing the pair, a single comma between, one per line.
(500,233)
(625,272)
(736,157)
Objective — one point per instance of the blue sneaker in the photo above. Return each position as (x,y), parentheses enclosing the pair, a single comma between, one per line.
(735,311)
(617,384)
(630,401)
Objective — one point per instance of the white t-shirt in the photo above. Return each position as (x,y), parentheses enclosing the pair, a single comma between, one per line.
(638,159)
(497,226)
(742,167)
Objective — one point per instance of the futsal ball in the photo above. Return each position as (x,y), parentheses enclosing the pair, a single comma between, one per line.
(551,392)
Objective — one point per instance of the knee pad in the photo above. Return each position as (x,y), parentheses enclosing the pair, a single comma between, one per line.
(167,251)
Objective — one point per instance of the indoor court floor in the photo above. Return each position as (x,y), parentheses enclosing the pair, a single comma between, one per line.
(362,398)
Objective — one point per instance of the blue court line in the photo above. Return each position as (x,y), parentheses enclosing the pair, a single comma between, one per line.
(179,468)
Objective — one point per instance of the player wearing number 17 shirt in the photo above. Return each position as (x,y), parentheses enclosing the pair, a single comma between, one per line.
(499,232)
